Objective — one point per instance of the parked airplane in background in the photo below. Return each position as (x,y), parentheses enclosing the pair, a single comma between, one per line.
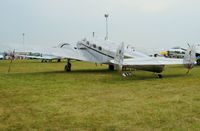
(175,52)
(1,56)
(178,52)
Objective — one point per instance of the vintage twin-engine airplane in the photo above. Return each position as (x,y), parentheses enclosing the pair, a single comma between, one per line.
(119,56)
(115,55)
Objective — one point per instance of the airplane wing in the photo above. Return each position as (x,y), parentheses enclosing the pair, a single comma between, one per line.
(119,60)
(46,57)
(153,61)
(71,52)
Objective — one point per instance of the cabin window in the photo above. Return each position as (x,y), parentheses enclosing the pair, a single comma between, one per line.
(75,48)
(88,42)
(84,39)
(100,48)
(94,46)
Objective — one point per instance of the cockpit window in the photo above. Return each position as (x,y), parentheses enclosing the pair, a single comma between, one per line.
(100,48)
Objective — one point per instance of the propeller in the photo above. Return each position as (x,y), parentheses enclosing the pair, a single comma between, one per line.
(190,57)
(189,67)
(188,44)
(12,57)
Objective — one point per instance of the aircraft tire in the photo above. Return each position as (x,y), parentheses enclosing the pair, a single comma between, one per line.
(59,60)
(160,76)
(68,67)
(111,67)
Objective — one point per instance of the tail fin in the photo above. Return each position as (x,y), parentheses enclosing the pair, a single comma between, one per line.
(190,57)
(119,57)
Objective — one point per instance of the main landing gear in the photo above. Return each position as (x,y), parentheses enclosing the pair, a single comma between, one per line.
(68,66)
(126,74)
(111,67)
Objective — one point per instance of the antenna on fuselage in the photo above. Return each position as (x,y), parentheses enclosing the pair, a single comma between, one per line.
(93,34)
(106,16)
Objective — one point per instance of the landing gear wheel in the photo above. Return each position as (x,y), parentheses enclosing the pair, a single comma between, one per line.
(49,61)
(68,67)
(111,67)
(126,74)
(160,76)
(59,60)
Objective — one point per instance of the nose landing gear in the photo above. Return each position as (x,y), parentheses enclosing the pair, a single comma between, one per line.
(158,75)
(68,66)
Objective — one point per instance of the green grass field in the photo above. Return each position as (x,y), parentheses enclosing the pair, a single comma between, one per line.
(41,96)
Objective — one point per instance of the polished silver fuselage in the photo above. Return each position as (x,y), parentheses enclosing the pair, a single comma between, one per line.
(105,51)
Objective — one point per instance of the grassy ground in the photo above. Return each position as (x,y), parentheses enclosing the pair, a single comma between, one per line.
(41,96)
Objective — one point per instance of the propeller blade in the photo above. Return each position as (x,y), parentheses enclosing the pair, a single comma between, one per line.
(188,71)
(12,55)
(9,67)
(188,45)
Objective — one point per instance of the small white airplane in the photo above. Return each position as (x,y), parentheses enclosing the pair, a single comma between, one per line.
(175,52)
(115,55)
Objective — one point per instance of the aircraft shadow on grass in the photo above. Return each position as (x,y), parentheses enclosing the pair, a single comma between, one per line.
(90,71)
(136,76)
(153,77)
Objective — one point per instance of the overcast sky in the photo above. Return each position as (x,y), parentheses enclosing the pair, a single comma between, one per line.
(145,23)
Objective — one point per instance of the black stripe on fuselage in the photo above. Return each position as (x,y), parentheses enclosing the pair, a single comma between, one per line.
(98,51)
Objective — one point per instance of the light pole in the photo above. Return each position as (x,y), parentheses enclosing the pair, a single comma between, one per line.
(106,16)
